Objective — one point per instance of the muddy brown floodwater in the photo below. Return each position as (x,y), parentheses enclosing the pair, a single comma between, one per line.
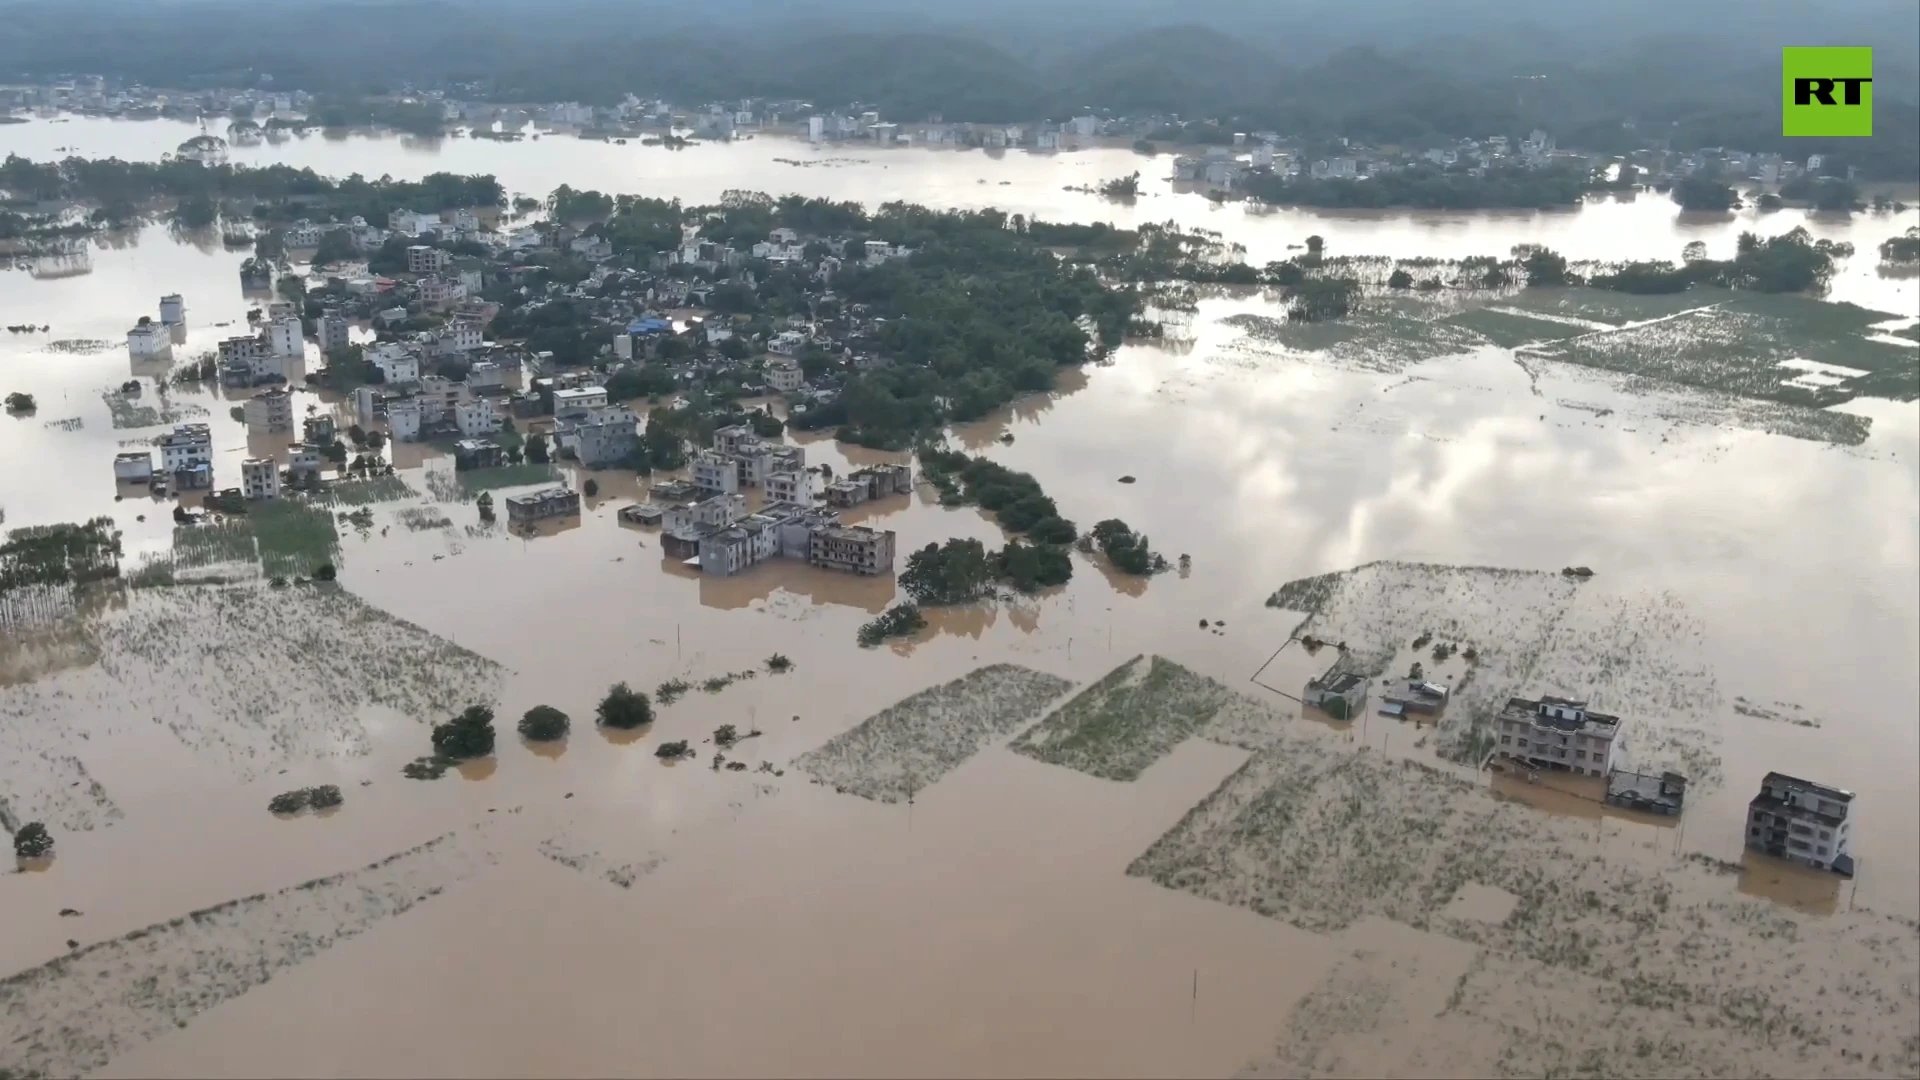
(1164,879)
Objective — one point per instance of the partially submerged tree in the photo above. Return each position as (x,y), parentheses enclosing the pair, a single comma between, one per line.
(625,708)
(469,735)
(32,841)
(544,723)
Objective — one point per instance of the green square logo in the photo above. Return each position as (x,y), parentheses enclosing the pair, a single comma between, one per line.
(1826,91)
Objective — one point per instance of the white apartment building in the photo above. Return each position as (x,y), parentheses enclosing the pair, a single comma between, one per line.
(334,332)
(1803,821)
(241,350)
(714,473)
(715,513)
(259,478)
(459,336)
(185,446)
(397,362)
(173,309)
(268,412)
(285,336)
(486,373)
(436,291)
(475,418)
(426,259)
(403,420)
(579,399)
(133,466)
(1559,734)
(784,376)
(149,341)
(790,487)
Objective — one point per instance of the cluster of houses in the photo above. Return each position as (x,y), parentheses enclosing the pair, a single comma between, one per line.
(1798,820)
(704,520)
(1228,167)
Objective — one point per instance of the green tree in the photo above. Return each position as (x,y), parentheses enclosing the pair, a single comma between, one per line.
(625,708)
(32,841)
(469,735)
(1545,267)
(21,403)
(1399,279)
(544,723)
(536,449)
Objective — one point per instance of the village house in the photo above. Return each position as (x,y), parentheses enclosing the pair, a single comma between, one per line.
(304,464)
(649,514)
(397,362)
(404,419)
(474,418)
(728,551)
(579,399)
(285,336)
(259,478)
(1558,733)
(1802,821)
(477,454)
(334,333)
(185,447)
(319,429)
(714,473)
(600,437)
(854,549)
(133,467)
(540,505)
(883,480)
(1340,694)
(1663,794)
(149,341)
(790,486)
(1414,697)
(268,412)
(784,375)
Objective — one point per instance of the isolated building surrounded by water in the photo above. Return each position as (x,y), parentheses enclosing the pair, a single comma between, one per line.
(1558,733)
(1802,821)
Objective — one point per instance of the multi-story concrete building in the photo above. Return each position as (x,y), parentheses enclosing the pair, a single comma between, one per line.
(717,512)
(285,338)
(600,437)
(728,551)
(794,487)
(478,454)
(1558,733)
(784,375)
(714,473)
(403,419)
(173,310)
(149,341)
(426,259)
(884,480)
(397,362)
(855,549)
(334,332)
(240,350)
(476,418)
(259,478)
(578,399)
(540,505)
(1803,821)
(268,412)
(133,467)
(436,291)
(185,446)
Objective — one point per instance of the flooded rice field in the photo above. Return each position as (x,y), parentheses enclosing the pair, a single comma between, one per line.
(999,846)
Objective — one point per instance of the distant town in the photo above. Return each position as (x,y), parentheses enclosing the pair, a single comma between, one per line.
(1496,170)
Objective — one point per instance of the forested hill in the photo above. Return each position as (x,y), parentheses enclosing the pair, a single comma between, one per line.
(1352,69)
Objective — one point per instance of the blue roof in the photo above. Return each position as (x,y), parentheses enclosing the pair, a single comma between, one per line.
(649,326)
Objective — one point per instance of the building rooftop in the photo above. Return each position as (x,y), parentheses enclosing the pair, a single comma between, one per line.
(1822,790)
(1592,723)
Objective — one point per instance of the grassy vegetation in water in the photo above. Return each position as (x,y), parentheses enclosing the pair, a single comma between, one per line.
(295,539)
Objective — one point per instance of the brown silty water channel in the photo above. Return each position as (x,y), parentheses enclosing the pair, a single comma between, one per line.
(596,911)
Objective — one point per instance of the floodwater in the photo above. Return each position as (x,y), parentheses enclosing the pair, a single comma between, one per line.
(988,928)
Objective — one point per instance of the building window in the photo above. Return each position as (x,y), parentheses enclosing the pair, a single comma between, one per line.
(1506,740)
(1825,835)
(1523,743)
